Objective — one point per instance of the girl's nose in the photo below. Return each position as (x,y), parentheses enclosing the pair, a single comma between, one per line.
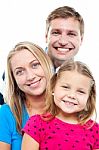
(72,94)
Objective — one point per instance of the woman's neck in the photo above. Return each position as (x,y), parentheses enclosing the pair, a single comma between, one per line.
(35,104)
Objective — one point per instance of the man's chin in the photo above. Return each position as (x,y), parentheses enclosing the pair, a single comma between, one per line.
(58,62)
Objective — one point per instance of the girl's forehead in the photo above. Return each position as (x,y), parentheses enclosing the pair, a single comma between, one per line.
(72,76)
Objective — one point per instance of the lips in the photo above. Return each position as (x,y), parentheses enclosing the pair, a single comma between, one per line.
(34,84)
(69,102)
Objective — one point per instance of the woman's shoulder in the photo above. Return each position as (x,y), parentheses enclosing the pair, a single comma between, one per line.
(8,133)
(5,111)
(7,117)
(5,108)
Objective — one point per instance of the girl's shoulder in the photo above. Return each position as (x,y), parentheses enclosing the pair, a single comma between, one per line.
(40,118)
(35,118)
(91,124)
(96,125)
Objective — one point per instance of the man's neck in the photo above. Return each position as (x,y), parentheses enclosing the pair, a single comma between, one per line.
(57,63)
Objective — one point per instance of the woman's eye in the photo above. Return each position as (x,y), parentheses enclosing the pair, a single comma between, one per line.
(19,72)
(35,65)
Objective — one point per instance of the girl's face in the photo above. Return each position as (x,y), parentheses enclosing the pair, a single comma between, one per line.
(28,73)
(71,92)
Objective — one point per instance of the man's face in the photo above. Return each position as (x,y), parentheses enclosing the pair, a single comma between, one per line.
(63,39)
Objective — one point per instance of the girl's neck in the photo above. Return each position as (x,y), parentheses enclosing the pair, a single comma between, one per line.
(68,118)
(35,104)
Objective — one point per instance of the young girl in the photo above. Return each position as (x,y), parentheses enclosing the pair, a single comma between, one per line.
(66,123)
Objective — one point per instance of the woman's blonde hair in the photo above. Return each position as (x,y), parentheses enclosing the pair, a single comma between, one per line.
(81,68)
(15,97)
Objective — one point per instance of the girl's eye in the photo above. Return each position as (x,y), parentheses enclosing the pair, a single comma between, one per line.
(81,92)
(35,65)
(65,87)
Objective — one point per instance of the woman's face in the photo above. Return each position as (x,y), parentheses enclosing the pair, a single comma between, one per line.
(28,73)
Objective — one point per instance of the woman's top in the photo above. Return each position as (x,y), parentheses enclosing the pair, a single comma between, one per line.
(8,131)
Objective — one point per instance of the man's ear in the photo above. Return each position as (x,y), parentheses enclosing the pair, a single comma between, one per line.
(46,37)
(82,38)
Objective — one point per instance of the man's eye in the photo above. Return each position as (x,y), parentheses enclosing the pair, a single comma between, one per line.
(55,33)
(72,34)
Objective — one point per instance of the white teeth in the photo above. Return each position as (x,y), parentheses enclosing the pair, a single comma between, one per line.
(69,103)
(63,49)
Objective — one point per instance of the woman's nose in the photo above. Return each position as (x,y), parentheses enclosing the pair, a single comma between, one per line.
(30,74)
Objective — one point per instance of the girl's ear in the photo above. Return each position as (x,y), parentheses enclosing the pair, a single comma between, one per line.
(53,93)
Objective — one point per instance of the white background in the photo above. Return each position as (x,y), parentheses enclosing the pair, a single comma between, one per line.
(24,20)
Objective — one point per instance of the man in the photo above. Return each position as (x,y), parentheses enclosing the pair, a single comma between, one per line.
(64,34)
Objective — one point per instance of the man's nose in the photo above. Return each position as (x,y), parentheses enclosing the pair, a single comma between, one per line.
(63,40)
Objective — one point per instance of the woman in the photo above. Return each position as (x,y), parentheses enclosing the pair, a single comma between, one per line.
(29,69)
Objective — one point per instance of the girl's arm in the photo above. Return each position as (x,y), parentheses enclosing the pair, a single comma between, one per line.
(28,143)
(4,146)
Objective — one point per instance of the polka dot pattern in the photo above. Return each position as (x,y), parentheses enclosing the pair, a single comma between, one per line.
(58,135)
